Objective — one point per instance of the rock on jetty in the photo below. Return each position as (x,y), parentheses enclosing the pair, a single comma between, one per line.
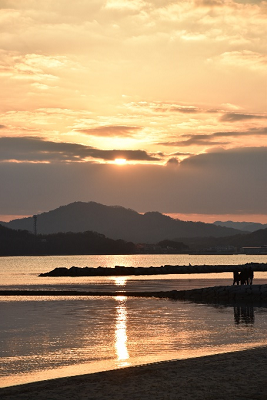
(163,270)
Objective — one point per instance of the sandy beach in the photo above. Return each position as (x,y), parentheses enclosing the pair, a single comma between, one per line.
(237,375)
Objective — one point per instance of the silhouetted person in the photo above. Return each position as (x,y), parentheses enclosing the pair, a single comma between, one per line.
(250,275)
(244,276)
(236,278)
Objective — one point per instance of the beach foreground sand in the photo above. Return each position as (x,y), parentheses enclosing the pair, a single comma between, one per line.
(237,375)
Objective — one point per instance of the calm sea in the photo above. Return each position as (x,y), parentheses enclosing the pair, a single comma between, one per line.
(48,337)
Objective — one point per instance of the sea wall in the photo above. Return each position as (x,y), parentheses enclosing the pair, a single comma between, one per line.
(163,270)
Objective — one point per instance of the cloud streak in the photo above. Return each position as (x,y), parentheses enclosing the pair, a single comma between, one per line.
(32,149)
(31,66)
(164,107)
(111,131)
(208,139)
(245,59)
(233,117)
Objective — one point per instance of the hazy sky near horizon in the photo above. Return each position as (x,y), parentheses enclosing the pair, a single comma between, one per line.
(178,89)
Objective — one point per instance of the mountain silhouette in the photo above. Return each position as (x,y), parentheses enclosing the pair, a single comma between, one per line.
(117,222)
(257,238)
(242,226)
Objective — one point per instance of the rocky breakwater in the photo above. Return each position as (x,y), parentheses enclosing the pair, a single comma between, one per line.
(163,270)
(226,295)
(250,294)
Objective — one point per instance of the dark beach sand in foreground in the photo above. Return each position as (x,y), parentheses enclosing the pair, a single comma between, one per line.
(237,375)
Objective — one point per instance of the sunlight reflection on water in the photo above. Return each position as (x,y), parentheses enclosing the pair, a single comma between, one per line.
(121,332)
(48,337)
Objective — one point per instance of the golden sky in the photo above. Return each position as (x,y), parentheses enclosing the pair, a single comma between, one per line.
(178,89)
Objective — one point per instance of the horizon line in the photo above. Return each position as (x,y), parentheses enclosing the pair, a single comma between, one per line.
(189,217)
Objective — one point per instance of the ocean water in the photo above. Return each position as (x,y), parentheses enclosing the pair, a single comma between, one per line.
(49,337)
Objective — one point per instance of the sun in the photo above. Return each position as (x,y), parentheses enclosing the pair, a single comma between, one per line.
(120,161)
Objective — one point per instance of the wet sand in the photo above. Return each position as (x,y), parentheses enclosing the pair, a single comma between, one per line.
(237,375)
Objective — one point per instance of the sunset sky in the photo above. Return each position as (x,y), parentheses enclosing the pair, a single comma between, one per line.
(152,105)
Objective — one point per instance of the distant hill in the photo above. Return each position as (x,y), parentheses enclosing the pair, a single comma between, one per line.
(15,242)
(22,243)
(253,239)
(257,238)
(242,226)
(117,222)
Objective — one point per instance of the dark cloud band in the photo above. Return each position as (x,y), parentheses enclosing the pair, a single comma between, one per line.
(208,140)
(234,117)
(33,149)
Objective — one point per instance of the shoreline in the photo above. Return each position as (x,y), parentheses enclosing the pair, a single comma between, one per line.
(240,374)
(227,295)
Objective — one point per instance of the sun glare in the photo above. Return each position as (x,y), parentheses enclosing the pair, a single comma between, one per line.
(120,161)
